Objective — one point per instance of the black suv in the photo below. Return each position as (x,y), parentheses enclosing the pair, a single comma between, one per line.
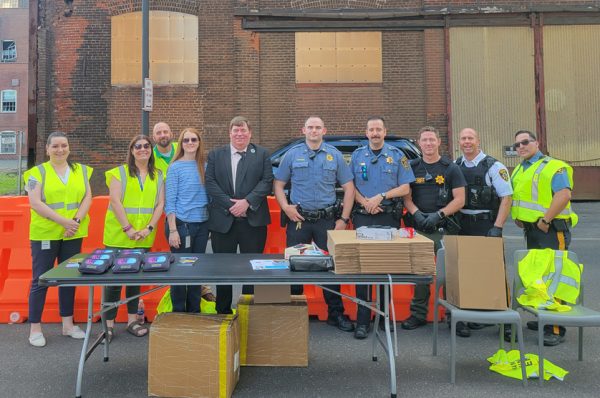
(348,143)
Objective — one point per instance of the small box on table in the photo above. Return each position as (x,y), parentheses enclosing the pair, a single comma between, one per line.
(273,334)
(193,355)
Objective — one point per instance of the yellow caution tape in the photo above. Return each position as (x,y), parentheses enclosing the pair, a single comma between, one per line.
(243,308)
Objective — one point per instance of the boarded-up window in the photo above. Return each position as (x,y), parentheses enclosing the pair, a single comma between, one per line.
(173,48)
(492,85)
(572,93)
(338,57)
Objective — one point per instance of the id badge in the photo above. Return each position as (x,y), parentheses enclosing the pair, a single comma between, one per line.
(45,245)
(188,241)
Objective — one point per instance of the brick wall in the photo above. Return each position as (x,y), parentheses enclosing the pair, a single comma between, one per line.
(240,72)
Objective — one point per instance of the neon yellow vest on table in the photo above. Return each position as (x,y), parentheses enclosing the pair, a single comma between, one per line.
(160,163)
(62,198)
(533,190)
(139,206)
(548,275)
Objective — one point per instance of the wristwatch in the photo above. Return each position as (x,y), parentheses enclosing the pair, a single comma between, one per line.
(77,220)
(382,195)
(345,220)
(150,228)
(441,214)
(544,221)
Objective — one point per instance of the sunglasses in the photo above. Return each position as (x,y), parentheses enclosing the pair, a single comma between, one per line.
(524,143)
(140,146)
(186,140)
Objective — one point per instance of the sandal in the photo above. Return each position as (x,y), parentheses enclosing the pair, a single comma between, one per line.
(110,334)
(137,329)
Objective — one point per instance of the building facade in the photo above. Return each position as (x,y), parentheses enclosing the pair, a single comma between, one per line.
(496,66)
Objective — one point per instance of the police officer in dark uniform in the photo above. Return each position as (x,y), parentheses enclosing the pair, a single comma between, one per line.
(313,168)
(381,176)
(437,193)
(488,196)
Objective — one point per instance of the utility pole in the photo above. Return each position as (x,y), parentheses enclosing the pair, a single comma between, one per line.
(145,63)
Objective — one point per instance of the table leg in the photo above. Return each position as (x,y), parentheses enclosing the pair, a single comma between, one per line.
(86,340)
(104,328)
(375,324)
(388,337)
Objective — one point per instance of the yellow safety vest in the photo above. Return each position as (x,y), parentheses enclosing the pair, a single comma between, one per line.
(62,198)
(160,163)
(509,364)
(166,305)
(139,206)
(532,190)
(548,275)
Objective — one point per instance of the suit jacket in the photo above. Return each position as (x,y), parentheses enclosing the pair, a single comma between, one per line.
(254,181)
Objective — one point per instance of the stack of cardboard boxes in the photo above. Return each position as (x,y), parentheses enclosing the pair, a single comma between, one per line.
(396,256)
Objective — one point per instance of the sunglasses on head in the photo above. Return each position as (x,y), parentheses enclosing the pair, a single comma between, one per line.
(186,140)
(140,146)
(524,143)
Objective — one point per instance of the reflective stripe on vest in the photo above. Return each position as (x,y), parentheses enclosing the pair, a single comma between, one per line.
(136,210)
(61,205)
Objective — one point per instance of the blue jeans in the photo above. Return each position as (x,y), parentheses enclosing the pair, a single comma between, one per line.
(187,298)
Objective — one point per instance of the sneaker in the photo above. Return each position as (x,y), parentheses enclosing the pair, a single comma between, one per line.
(462,330)
(342,322)
(413,322)
(532,325)
(74,332)
(37,339)
(551,339)
(361,332)
(477,326)
(508,334)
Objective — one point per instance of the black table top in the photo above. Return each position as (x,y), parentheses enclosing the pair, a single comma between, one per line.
(218,269)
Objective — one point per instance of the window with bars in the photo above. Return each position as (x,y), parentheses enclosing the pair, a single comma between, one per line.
(9,101)
(9,51)
(8,143)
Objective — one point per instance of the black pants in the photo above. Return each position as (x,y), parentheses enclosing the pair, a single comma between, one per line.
(363,292)
(307,232)
(250,240)
(470,225)
(186,298)
(42,261)
(556,240)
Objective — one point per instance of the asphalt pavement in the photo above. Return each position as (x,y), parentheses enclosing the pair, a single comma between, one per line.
(339,365)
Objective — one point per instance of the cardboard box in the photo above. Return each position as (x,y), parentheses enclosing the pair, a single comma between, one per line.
(193,355)
(397,256)
(264,294)
(475,273)
(273,334)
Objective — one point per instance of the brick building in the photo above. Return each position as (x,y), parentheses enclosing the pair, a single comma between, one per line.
(497,66)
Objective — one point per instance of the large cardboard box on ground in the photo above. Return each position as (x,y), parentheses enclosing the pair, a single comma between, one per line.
(193,355)
(475,273)
(396,256)
(273,334)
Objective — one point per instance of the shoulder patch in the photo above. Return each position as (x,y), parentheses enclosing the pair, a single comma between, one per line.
(404,162)
(504,174)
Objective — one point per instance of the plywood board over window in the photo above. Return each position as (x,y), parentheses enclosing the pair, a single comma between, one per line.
(572,93)
(492,85)
(338,57)
(173,48)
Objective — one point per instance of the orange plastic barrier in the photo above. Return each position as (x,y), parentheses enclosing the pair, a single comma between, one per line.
(15,267)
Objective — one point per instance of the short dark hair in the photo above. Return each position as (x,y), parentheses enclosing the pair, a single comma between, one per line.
(428,129)
(239,121)
(529,133)
(375,118)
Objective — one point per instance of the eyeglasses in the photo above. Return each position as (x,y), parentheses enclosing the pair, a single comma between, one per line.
(524,143)
(140,146)
(186,140)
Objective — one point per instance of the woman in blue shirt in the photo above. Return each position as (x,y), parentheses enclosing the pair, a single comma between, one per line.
(186,209)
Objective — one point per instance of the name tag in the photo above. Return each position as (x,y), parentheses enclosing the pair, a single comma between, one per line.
(188,241)
(45,245)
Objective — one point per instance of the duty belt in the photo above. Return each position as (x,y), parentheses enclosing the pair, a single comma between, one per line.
(360,209)
(475,217)
(315,215)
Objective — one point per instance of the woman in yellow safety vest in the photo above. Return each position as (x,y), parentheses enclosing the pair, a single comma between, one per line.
(60,197)
(136,203)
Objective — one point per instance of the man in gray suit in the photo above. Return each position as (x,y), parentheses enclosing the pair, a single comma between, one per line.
(239,176)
